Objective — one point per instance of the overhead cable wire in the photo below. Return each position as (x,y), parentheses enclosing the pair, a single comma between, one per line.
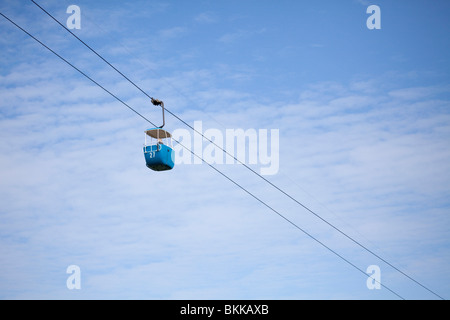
(210,165)
(245,165)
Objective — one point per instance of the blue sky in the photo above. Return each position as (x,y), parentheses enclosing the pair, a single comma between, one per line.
(364,123)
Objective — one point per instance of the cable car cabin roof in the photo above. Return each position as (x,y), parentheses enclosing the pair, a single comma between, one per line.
(158,133)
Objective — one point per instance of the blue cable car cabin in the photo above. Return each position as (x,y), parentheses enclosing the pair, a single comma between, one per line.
(158,152)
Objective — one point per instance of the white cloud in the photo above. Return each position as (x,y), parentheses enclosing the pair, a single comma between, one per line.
(363,2)
(232,37)
(418,92)
(85,196)
(171,33)
(75,190)
(206,17)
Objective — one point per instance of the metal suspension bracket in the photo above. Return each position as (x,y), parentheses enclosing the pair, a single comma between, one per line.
(157,102)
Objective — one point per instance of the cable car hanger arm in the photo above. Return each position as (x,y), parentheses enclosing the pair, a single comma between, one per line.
(157,102)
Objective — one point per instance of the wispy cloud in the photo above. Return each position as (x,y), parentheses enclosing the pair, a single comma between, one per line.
(171,33)
(418,92)
(232,37)
(363,2)
(206,18)
(74,188)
